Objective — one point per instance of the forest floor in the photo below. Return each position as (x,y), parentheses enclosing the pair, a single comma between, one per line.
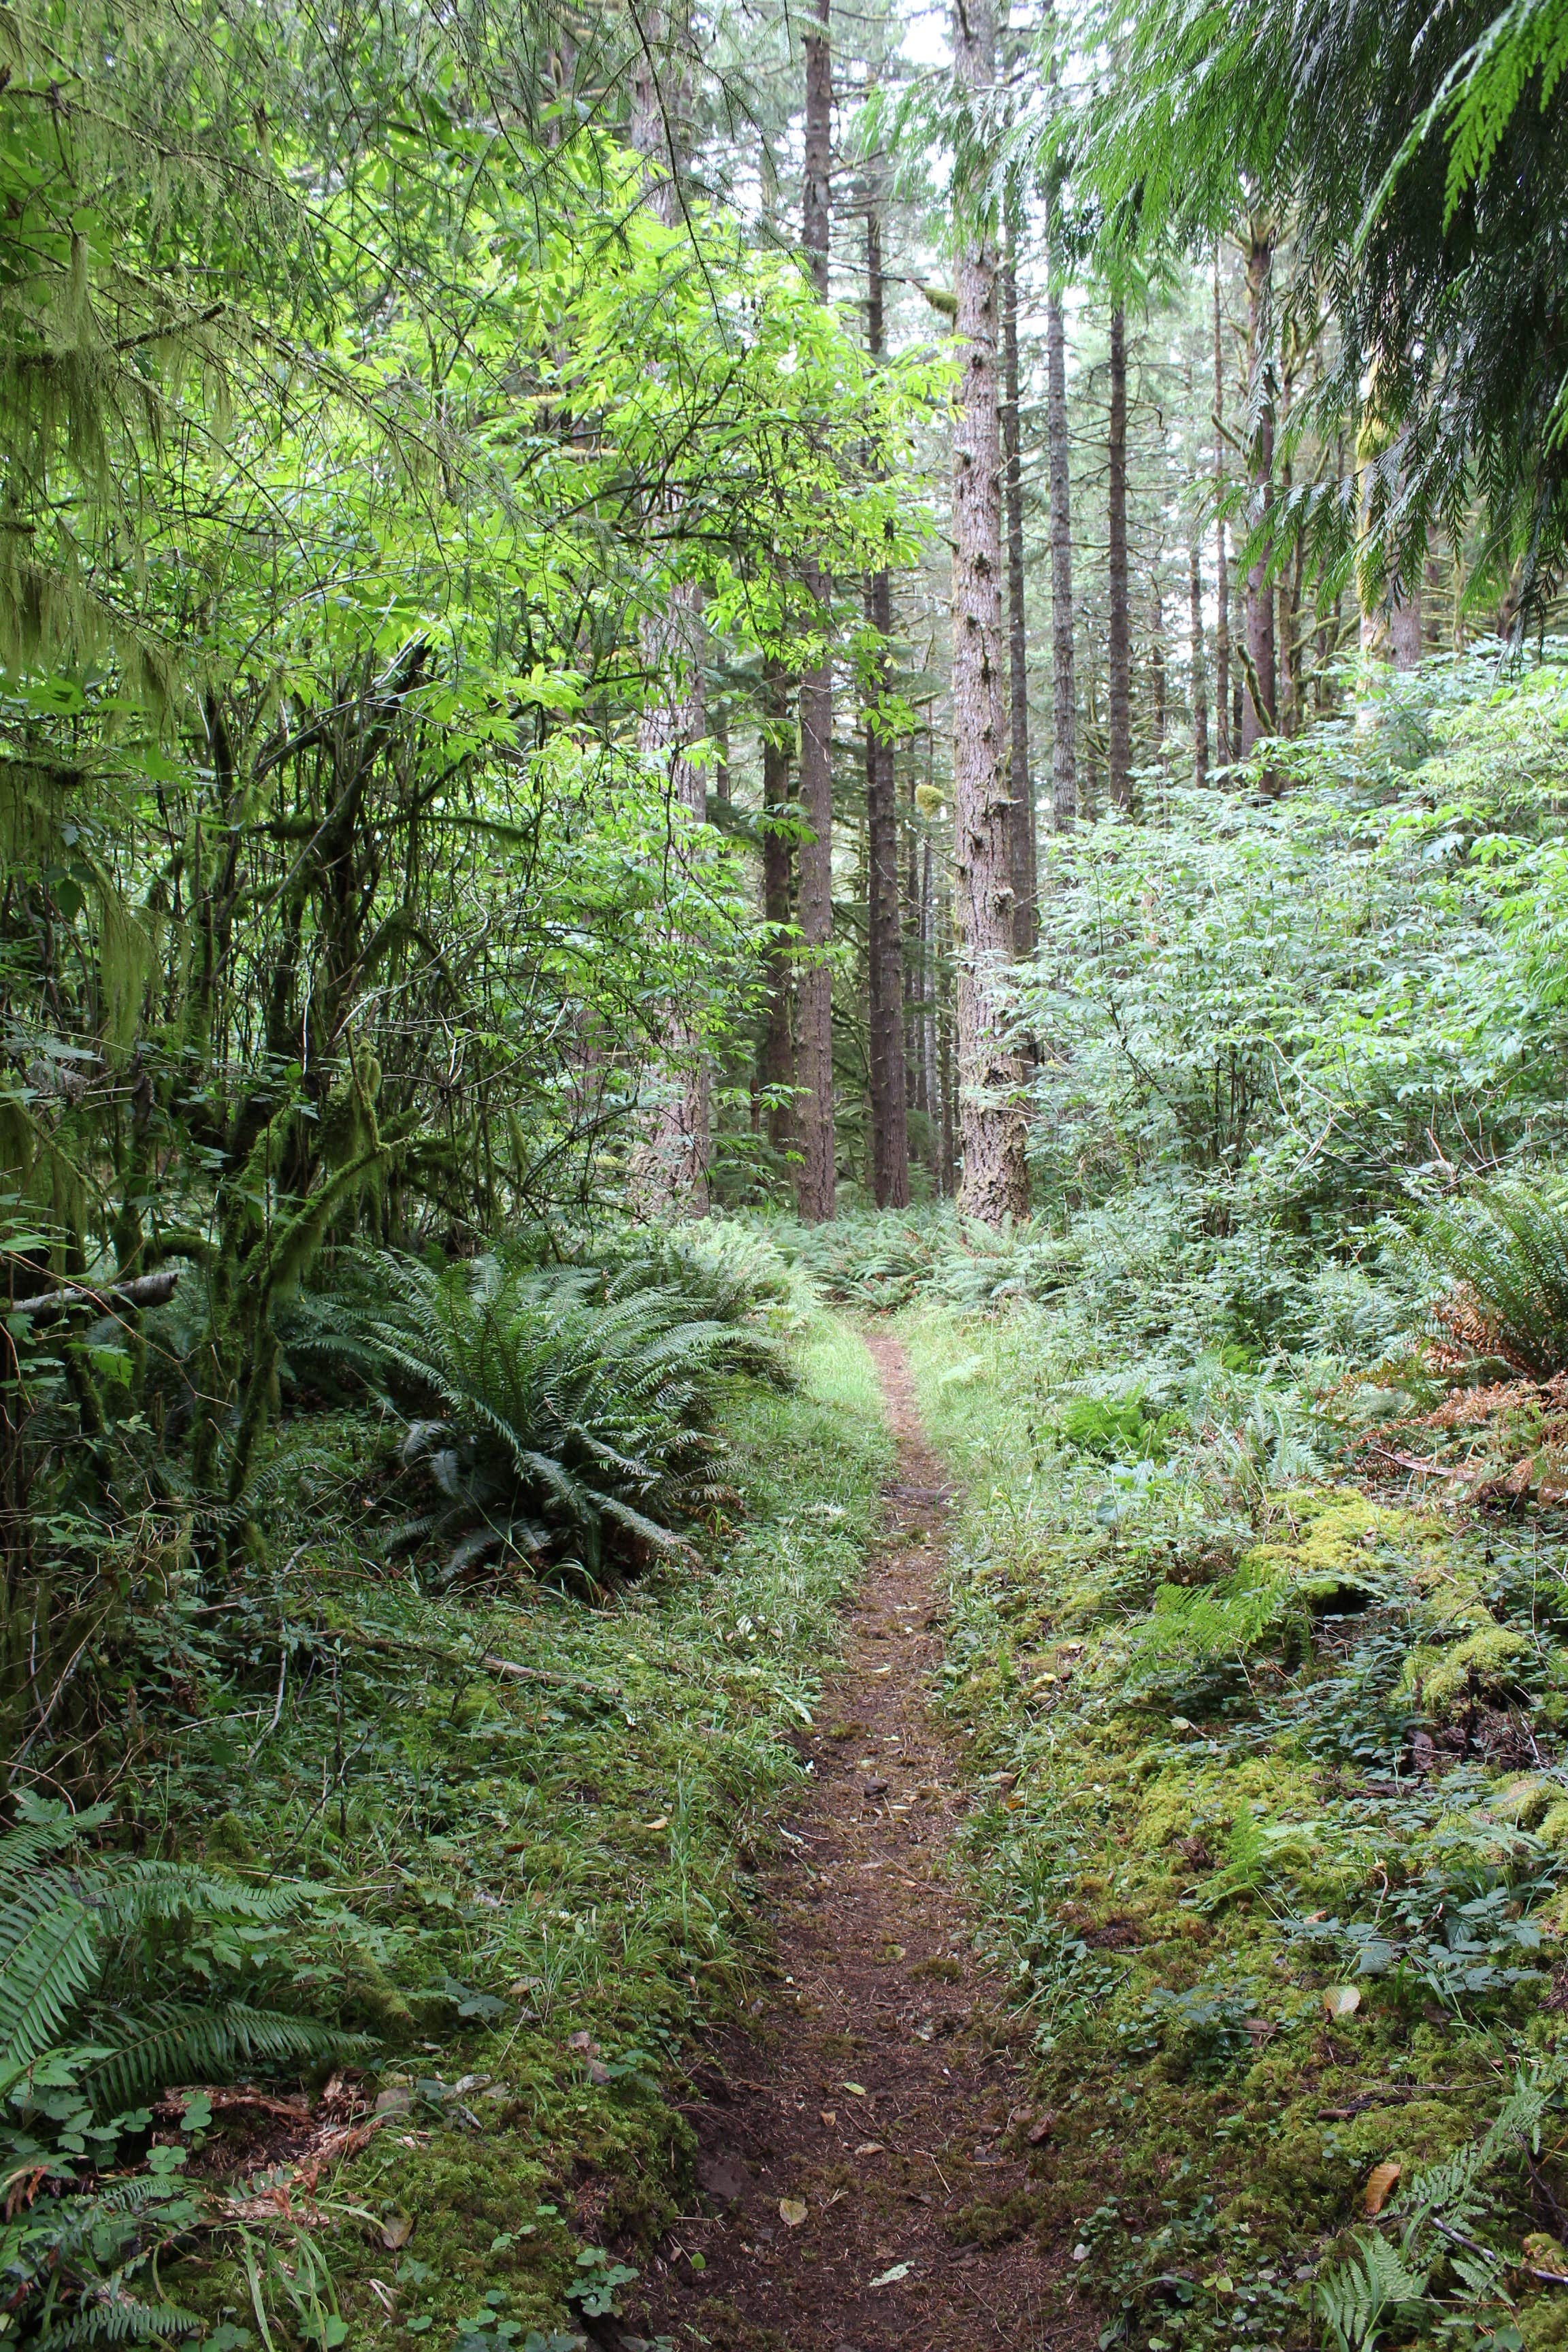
(868,2142)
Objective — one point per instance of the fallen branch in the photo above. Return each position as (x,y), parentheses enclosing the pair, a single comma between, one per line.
(507,1668)
(145,1290)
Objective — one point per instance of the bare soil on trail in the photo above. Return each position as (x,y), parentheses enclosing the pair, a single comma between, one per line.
(869,2158)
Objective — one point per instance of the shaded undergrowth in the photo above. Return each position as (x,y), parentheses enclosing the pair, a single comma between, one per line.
(1273,1810)
(520,1831)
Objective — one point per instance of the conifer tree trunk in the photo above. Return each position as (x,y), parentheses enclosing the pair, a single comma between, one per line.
(994,1181)
(1020,783)
(1119,645)
(1260,681)
(669,1171)
(889,1117)
(1157,669)
(1200,687)
(1222,596)
(778,1046)
(816,1185)
(1064,689)
(1405,628)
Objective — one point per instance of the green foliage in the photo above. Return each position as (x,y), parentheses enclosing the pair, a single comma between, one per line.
(1424,190)
(1505,1252)
(576,1414)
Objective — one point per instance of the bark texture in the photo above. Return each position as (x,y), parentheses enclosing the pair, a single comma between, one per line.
(778,1042)
(1064,690)
(669,1168)
(994,1182)
(1260,702)
(1119,644)
(1020,783)
(815,1183)
(884,978)
(1222,595)
(670,1172)
(1199,681)
(1405,628)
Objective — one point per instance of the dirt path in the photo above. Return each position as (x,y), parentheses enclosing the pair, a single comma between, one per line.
(879,2088)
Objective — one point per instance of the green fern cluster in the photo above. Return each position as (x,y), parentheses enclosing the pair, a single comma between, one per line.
(1503,1256)
(564,1417)
(75,1935)
(1386,2287)
(91,2034)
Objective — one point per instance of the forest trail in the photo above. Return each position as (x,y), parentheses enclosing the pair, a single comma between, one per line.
(879,2086)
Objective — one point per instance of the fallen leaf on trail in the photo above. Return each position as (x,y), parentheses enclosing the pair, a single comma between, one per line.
(396,2230)
(1013,1805)
(1379,2181)
(792,2211)
(1341,2000)
(899,2270)
(870,2148)
(662,1824)
(830,2115)
(856,2090)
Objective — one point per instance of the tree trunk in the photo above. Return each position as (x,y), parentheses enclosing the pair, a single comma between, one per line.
(1023,855)
(1157,669)
(947,1167)
(1200,687)
(927,1083)
(1405,628)
(1064,690)
(720,724)
(778,1046)
(1260,682)
(669,1167)
(816,1185)
(995,1179)
(1119,646)
(885,986)
(1222,600)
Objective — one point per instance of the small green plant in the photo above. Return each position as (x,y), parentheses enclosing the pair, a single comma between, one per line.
(1503,1257)
(96,2020)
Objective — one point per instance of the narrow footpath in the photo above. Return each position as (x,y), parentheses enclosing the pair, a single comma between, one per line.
(866,2144)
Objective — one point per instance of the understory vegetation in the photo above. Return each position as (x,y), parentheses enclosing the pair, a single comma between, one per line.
(455,1843)
(1259,1643)
(534,536)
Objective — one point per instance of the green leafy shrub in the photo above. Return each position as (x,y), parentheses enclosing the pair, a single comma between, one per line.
(99,1958)
(565,1419)
(1503,1255)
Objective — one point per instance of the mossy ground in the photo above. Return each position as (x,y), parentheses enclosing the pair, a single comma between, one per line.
(1250,1748)
(530,1888)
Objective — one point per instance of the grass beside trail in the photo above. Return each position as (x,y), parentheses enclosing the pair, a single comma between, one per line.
(1269,1835)
(529,1889)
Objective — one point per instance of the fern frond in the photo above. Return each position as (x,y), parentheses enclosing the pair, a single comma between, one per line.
(1366,2294)
(48,1958)
(173,2041)
(120,2319)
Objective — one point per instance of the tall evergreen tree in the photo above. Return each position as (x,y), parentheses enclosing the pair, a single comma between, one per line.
(885,960)
(1118,642)
(816,1185)
(994,1182)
